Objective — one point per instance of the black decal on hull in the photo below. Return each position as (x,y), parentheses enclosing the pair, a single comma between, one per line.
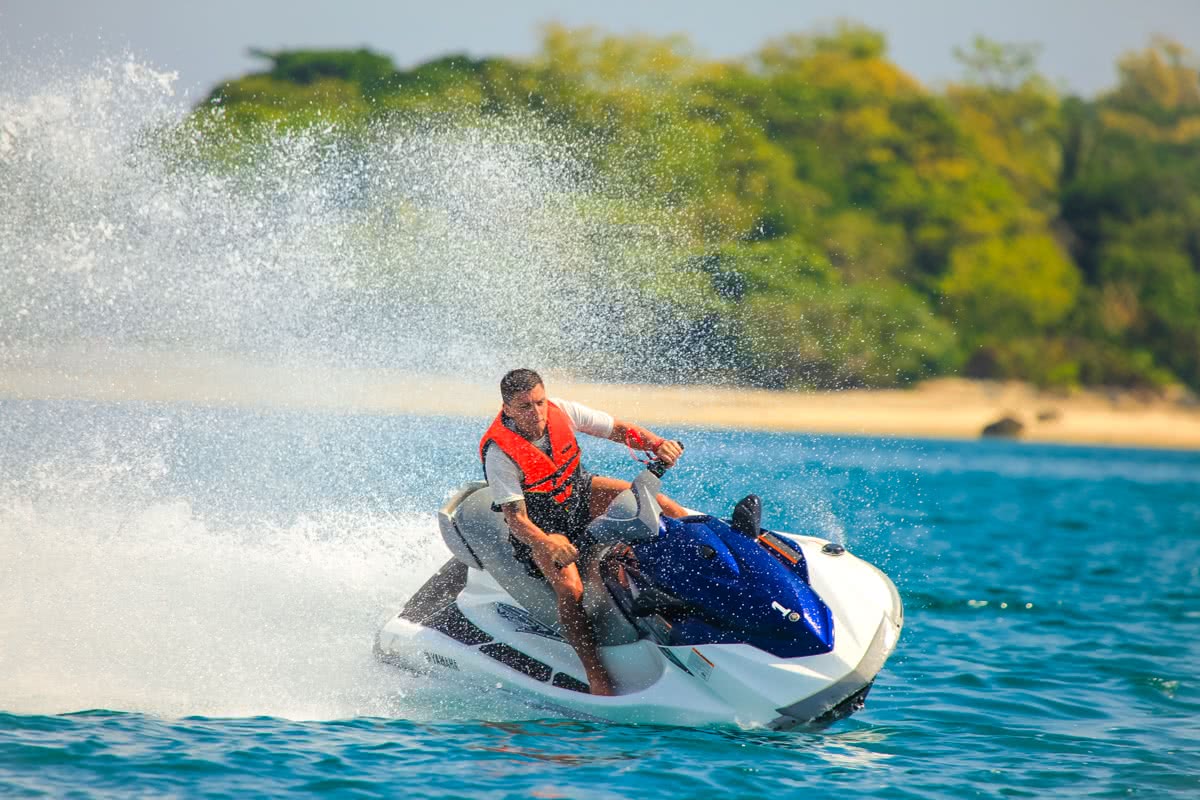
(514,658)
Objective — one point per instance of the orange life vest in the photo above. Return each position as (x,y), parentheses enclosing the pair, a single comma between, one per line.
(541,475)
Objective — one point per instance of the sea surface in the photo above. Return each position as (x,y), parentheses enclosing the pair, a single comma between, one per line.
(188,599)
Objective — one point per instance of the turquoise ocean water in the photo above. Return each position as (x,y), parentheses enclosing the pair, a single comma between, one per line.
(188,599)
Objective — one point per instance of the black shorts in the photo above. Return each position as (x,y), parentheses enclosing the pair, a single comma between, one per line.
(578,518)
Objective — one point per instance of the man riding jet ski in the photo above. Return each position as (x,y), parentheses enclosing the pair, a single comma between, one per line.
(531,462)
(694,619)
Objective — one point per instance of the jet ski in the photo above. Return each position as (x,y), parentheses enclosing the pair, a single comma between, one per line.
(700,620)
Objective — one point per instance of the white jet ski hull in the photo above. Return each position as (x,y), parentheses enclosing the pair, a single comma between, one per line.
(483,637)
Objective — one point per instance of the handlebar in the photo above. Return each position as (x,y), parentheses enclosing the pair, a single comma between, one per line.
(657,468)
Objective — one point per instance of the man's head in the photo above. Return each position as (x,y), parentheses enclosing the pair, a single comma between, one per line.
(525,402)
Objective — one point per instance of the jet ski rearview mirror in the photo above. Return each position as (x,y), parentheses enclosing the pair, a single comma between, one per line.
(747,516)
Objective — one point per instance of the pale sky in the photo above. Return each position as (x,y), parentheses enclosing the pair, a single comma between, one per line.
(208,41)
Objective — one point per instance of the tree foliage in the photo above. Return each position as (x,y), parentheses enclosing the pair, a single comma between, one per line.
(845,224)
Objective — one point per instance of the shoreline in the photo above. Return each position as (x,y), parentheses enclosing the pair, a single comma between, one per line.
(946,408)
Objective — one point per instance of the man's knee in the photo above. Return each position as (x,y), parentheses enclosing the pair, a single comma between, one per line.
(670,507)
(604,491)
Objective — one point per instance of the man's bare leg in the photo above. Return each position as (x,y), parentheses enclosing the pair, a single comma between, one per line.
(605,490)
(577,628)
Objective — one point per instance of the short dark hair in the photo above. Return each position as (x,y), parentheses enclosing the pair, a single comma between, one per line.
(518,381)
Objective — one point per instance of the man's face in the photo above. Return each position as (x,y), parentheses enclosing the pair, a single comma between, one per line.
(529,411)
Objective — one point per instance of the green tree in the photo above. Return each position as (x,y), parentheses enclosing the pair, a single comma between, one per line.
(1014,116)
(1005,288)
(1131,200)
(844,336)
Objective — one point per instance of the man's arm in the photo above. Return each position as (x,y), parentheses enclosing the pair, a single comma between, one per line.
(558,549)
(665,450)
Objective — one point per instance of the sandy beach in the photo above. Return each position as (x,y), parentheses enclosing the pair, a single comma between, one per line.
(945,408)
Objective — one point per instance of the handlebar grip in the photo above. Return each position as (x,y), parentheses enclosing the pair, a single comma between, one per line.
(657,468)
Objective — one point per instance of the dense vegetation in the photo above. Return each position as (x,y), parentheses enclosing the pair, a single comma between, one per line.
(850,226)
